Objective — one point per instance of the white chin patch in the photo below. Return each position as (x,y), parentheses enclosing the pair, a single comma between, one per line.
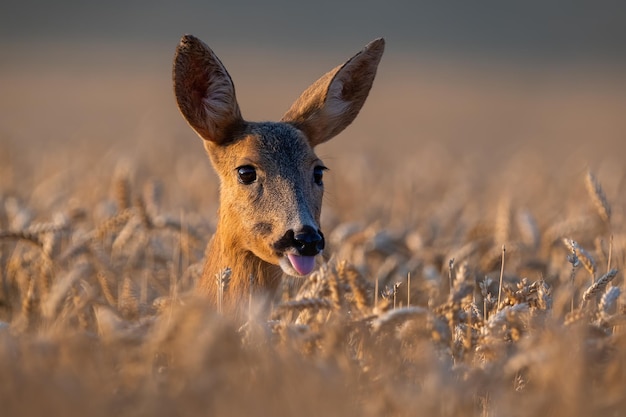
(297,266)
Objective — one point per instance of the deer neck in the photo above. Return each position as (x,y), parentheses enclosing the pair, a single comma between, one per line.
(226,251)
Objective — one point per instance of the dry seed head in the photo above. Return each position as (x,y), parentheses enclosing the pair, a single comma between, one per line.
(527,226)
(112,224)
(335,285)
(583,256)
(568,227)
(79,302)
(506,315)
(464,252)
(599,285)
(575,316)
(462,273)
(59,224)
(572,257)
(222,279)
(598,197)
(313,304)
(153,196)
(105,288)
(45,274)
(609,299)
(395,317)
(128,232)
(121,186)
(29,300)
(484,286)
(62,285)
(492,259)
(544,295)
(462,290)
(503,221)
(51,244)
(357,284)
(386,271)
(21,235)
(145,217)
(128,301)
(18,215)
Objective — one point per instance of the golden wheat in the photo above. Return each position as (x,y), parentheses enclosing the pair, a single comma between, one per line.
(599,285)
(598,197)
(97,316)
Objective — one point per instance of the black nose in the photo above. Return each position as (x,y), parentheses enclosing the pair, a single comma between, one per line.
(308,241)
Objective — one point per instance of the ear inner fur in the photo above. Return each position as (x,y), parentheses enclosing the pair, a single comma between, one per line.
(204,91)
(330,104)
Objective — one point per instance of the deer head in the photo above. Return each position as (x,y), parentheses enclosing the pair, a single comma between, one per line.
(271,181)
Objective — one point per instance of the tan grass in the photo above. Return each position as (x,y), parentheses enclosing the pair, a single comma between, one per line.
(598,197)
(583,256)
(98,259)
(599,285)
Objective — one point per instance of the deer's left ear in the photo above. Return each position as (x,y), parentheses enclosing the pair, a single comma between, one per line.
(204,91)
(331,103)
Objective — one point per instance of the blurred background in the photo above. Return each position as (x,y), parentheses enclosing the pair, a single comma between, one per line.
(473,89)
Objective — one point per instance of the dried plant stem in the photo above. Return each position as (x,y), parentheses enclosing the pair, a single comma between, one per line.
(608,266)
(376,294)
(183,241)
(484,291)
(28,300)
(484,309)
(408,290)
(573,259)
(450,268)
(395,293)
(501,278)
(251,279)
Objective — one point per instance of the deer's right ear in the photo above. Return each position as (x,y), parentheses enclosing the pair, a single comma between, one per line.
(204,91)
(331,103)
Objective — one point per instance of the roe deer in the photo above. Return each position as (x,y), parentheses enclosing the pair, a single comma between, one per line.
(270,179)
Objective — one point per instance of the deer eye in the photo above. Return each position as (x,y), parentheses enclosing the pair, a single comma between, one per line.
(246,174)
(318,175)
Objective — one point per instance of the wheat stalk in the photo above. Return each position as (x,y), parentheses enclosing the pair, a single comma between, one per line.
(301,304)
(598,197)
(503,221)
(121,186)
(128,302)
(501,278)
(583,256)
(397,316)
(357,284)
(599,285)
(529,231)
(28,302)
(222,279)
(608,300)
(568,227)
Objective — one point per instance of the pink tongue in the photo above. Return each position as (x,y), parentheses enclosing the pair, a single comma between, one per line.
(303,264)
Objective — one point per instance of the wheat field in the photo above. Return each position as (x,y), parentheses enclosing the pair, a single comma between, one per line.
(474,216)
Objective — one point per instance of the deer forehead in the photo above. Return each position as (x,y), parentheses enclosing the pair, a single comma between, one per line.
(276,149)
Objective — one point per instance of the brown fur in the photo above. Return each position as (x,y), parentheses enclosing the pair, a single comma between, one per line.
(255,219)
